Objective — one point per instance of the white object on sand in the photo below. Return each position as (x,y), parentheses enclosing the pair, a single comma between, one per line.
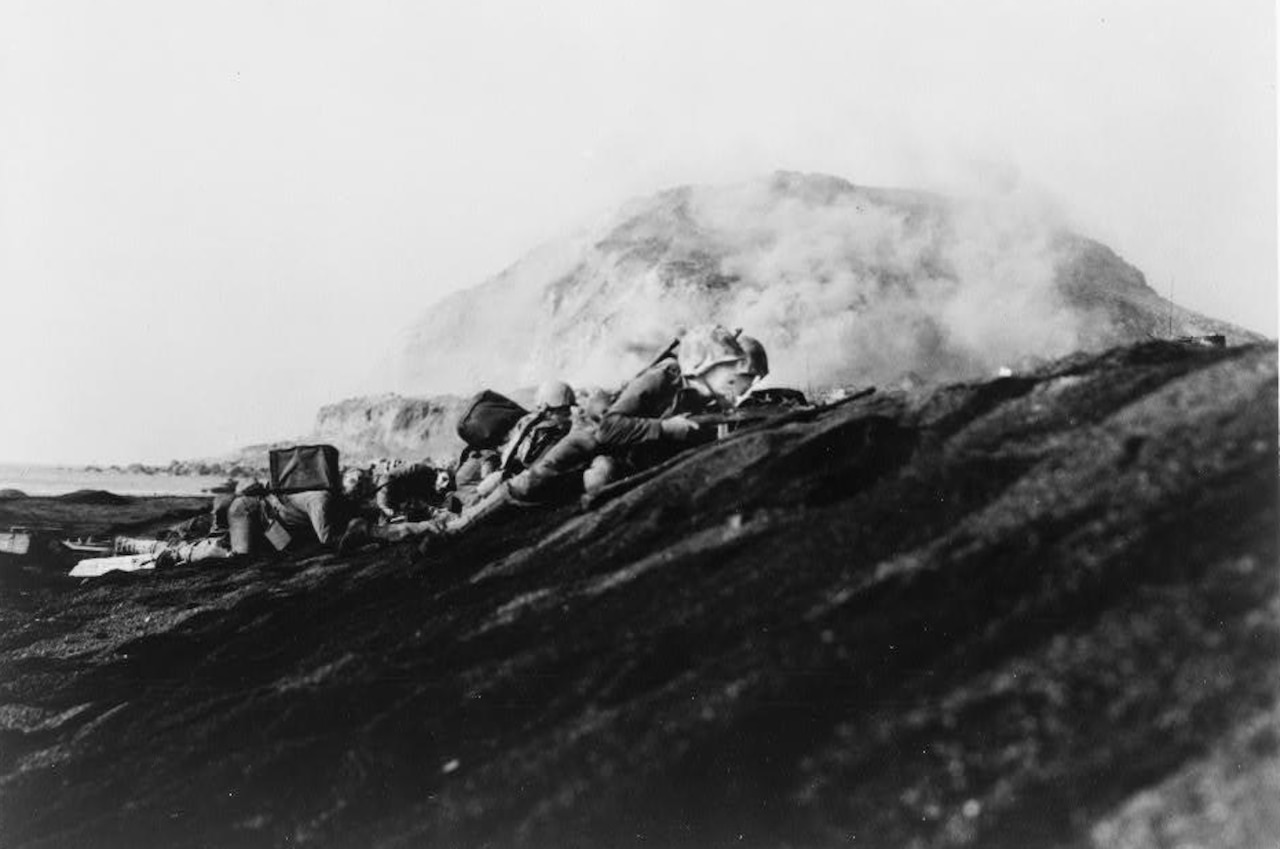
(95,566)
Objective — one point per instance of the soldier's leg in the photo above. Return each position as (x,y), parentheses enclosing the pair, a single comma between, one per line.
(244,520)
(567,458)
(289,511)
(603,471)
(321,513)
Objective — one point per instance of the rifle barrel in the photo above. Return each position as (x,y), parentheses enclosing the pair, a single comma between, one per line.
(757,414)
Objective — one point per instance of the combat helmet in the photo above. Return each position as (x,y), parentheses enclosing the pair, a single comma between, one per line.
(706,346)
(552,394)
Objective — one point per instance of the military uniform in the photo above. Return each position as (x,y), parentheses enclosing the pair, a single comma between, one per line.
(640,429)
(629,434)
(406,489)
(303,514)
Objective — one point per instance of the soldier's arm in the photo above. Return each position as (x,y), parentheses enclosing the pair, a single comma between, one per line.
(636,416)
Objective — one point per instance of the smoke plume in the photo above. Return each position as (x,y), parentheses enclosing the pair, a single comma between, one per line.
(843,284)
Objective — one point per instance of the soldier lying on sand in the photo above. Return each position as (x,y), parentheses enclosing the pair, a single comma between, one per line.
(648,423)
(483,471)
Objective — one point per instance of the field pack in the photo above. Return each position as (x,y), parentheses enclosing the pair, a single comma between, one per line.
(305,467)
(488,419)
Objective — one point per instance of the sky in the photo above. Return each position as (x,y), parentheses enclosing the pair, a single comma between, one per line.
(215,218)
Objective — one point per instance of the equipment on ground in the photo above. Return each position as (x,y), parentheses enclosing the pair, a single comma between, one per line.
(95,566)
(87,546)
(32,545)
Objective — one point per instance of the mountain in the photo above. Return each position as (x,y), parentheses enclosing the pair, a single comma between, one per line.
(843,283)
(1033,611)
(846,285)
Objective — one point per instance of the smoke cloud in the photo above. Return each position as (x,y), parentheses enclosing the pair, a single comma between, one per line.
(844,285)
(864,286)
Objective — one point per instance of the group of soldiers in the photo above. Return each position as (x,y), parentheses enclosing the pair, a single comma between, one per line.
(560,450)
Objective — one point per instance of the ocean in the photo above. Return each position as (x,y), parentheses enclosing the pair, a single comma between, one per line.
(59,480)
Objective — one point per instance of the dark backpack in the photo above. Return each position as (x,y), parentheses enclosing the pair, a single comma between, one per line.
(304,467)
(488,419)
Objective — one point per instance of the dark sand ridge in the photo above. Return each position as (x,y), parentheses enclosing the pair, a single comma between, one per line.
(1035,611)
(102,513)
(94,496)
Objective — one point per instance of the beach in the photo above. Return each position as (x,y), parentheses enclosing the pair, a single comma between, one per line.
(47,480)
(26,580)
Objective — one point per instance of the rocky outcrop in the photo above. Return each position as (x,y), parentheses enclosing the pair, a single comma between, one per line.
(1035,611)
(843,283)
(373,427)
(392,426)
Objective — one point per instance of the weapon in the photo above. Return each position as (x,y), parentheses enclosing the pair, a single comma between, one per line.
(749,416)
(795,412)
(668,351)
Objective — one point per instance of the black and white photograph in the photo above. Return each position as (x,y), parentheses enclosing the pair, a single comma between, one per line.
(832,423)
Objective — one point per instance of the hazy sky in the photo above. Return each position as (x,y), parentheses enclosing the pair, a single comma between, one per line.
(215,216)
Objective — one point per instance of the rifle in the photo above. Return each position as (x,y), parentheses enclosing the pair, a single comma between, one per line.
(752,416)
(668,351)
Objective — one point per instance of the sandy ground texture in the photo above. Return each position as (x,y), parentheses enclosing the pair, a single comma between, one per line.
(1038,611)
(98,513)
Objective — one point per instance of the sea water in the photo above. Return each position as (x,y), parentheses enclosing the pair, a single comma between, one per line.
(59,480)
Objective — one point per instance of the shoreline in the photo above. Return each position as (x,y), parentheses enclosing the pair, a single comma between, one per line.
(46,481)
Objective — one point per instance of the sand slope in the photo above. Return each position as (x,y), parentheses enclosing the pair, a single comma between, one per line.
(1034,611)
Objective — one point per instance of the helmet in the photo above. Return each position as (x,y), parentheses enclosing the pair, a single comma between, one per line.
(554,393)
(250,486)
(757,361)
(357,481)
(706,346)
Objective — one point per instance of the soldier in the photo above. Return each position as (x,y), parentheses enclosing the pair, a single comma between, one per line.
(530,438)
(535,434)
(648,423)
(223,495)
(406,489)
(280,517)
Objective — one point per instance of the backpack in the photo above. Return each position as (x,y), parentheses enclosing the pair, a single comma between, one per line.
(304,467)
(488,419)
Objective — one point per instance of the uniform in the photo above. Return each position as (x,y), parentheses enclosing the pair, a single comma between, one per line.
(629,434)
